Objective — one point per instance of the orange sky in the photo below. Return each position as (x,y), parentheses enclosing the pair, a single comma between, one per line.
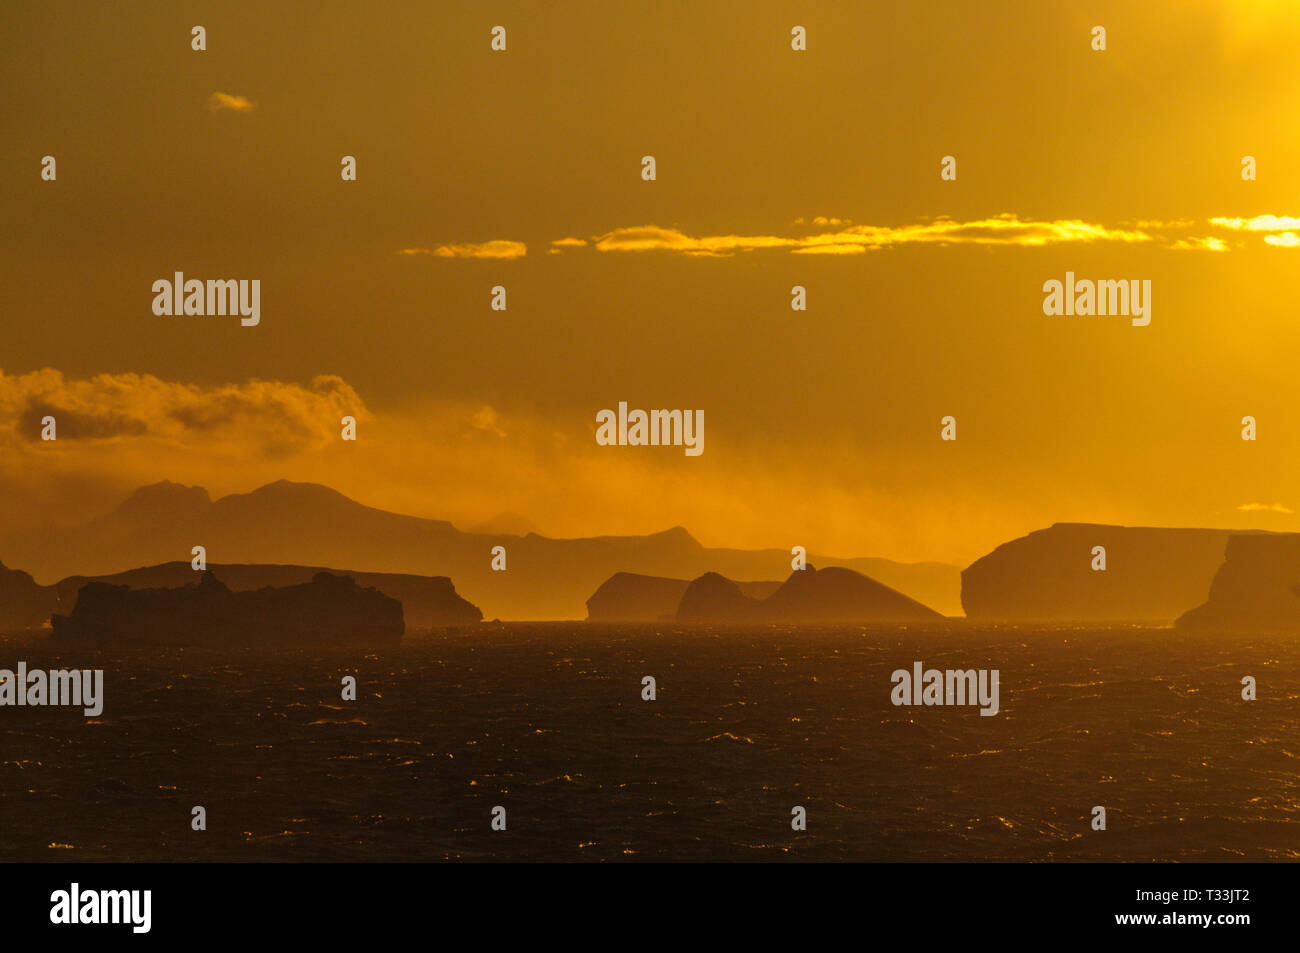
(822,426)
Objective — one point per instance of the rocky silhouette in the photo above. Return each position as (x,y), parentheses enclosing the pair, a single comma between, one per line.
(23,604)
(1151,575)
(630,597)
(836,594)
(715,598)
(1257,588)
(427,601)
(310,525)
(329,609)
(809,596)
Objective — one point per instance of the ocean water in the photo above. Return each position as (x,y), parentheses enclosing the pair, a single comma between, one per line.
(547,721)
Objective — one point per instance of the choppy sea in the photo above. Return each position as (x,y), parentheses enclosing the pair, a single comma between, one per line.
(547,720)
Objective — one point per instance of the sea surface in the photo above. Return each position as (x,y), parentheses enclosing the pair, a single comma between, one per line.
(547,721)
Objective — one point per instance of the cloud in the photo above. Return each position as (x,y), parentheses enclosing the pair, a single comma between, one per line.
(263,418)
(237,104)
(1265,507)
(831,250)
(1200,244)
(467,459)
(1005,229)
(1260,223)
(459,459)
(654,238)
(559,244)
(1280,230)
(840,237)
(499,248)
(487,418)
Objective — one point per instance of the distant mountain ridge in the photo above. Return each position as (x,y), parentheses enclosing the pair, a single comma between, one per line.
(427,601)
(630,597)
(810,596)
(286,523)
(23,603)
(1152,574)
(328,609)
(1257,588)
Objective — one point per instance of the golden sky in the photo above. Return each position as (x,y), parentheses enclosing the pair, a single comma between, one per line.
(775,169)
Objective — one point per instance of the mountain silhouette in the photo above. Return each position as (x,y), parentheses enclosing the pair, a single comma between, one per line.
(427,601)
(715,598)
(328,609)
(311,525)
(836,594)
(505,524)
(1257,588)
(630,597)
(23,603)
(809,596)
(1152,574)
